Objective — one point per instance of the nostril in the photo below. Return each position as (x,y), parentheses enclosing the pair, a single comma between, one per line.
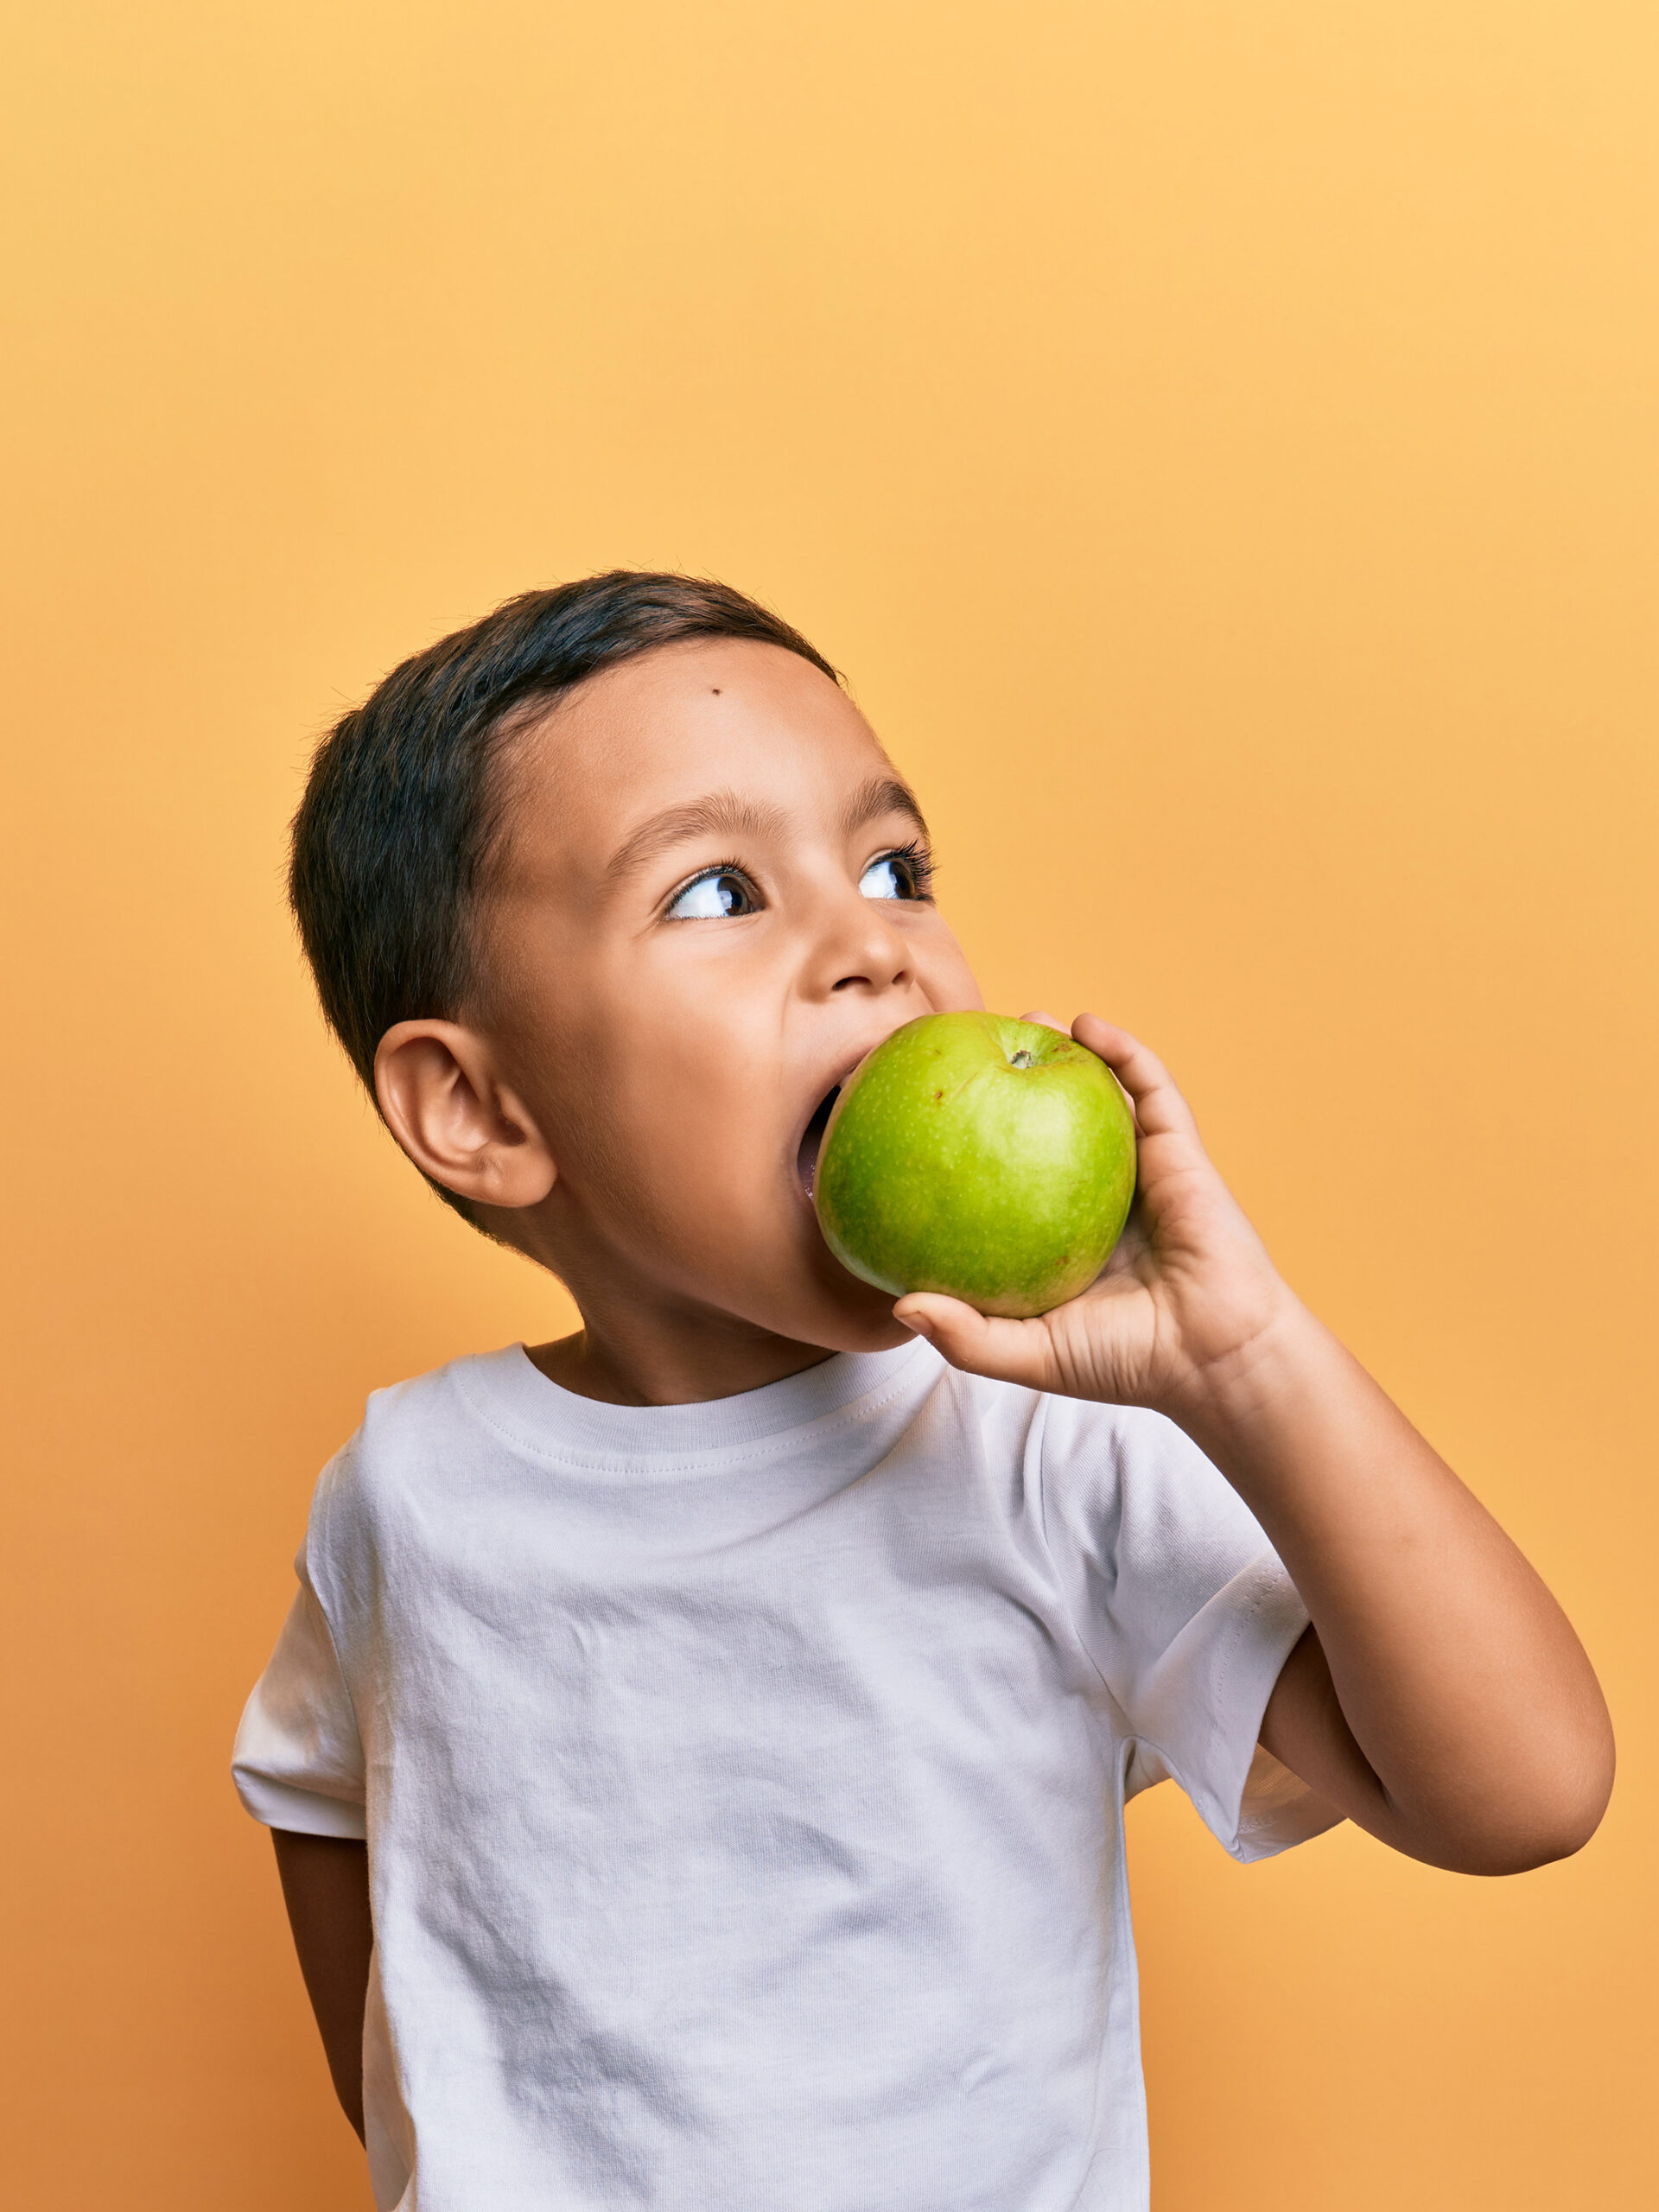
(889,980)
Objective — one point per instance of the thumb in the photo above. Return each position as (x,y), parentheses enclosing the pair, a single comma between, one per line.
(981,1343)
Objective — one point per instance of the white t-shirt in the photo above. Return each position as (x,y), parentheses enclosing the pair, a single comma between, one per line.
(744,1781)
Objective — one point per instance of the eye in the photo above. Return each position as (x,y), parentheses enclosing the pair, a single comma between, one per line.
(895,875)
(712,895)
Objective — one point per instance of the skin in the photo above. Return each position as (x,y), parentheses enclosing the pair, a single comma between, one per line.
(325,1888)
(626,1105)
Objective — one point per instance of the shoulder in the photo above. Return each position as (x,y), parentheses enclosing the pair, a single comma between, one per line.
(1098,1467)
(1129,1439)
(1080,1456)
(431,1426)
(432,1408)
(1070,1434)
(1134,1482)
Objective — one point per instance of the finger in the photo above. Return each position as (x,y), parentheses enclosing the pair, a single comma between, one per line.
(1158,1107)
(1007,1351)
(1048,1021)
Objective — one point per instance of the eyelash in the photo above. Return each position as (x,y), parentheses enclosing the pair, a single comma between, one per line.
(716,869)
(915,856)
(917,859)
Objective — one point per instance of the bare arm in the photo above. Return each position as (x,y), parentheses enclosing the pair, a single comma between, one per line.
(1440,1699)
(325,1888)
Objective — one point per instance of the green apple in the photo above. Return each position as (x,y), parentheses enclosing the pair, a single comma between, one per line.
(989,1158)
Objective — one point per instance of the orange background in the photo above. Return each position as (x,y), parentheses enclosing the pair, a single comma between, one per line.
(1218,440)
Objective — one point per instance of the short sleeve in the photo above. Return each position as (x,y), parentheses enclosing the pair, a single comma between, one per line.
(1184,1610)
(298,1762)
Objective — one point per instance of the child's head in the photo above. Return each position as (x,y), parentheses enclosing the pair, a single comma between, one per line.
(604,897)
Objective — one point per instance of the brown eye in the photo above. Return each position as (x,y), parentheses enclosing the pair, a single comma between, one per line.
(712,896)
(893,876)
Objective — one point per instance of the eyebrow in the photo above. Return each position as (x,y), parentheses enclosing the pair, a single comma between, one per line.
(881,795)
(720,813)
(723,813)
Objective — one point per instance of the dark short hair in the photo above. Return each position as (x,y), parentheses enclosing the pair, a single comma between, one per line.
(395,838)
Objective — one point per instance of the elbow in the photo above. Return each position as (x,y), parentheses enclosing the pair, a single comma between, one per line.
(1585,1793)
(1573,1822)
(1525,1854)
(1552,1821)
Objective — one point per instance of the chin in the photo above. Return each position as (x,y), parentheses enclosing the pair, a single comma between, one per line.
(847,1316)
(800,1291)
(883,1335)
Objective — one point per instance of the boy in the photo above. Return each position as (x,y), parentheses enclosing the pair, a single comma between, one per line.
(739,1697)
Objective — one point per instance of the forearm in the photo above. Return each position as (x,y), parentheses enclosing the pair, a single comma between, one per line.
(1459,1720)
(325,1888)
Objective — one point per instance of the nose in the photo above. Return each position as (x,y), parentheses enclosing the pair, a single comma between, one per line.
(859,950)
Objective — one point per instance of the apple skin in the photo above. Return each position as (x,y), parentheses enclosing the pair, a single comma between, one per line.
(947,1166)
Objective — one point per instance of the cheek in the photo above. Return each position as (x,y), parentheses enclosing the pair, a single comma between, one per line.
(654,1091)
(942,965)
(675,1123)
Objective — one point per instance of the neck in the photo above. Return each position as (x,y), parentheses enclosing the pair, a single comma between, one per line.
(634,1359)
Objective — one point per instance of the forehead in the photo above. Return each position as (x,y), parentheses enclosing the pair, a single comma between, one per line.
(668,727)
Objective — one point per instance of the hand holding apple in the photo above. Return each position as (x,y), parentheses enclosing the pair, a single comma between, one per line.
(1187,1294)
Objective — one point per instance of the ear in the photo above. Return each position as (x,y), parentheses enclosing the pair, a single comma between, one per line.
(444,1102)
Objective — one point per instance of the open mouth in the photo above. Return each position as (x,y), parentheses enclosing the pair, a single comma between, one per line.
(806,1160)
